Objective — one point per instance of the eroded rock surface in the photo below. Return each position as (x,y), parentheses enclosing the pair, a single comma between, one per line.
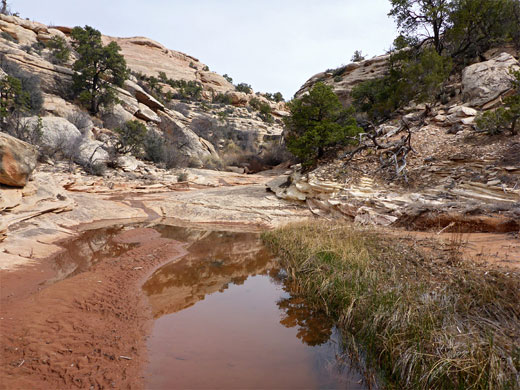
(57,202)
(17,160)
(488,80)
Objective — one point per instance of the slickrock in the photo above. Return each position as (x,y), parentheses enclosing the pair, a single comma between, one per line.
(57,202)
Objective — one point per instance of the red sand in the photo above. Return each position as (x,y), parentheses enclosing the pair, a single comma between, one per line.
(87,331)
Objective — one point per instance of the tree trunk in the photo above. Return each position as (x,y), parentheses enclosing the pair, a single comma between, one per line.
(93,95)
(437,38)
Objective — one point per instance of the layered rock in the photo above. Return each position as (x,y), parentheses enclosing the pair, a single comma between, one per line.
(344,79)
(149,57)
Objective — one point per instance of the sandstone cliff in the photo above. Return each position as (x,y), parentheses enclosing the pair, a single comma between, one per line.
(22,44)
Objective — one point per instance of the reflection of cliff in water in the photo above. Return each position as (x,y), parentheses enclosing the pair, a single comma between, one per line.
(89,248)
(215,260)
(209,344)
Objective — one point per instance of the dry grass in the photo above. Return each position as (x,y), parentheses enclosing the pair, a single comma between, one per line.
(423,320)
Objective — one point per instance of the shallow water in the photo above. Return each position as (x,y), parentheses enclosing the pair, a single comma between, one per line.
(227,318)
(83,252)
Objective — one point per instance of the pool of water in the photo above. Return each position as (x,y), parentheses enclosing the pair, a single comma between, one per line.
(226,317)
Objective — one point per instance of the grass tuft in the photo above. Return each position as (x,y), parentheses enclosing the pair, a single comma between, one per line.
(421,319)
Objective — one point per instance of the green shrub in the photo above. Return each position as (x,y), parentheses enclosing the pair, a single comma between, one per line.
(222,99)
(131,137)
(229,79)
(182,176)
(163,77)
(154,147)
(357,56)
(243,87)
(60,51)
(20,96)
(278,97)
(413,75)
(36,47)
(187,90)
(504,118)
(8,37)
(275,97)
(318,121)
(479,25)
(493,121)
(97,69)
(263,108)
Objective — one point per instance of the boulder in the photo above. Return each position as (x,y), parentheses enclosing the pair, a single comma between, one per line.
(486,81)
(17,160)
(461,114)
(462,111)
(188,144)
(20,34)
(117,116)
(58,134)
(141,96)
(238,98)
(89,151)
(214,80)
(128,163)
(57,106)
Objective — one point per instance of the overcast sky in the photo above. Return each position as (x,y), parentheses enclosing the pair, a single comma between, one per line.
(274,45)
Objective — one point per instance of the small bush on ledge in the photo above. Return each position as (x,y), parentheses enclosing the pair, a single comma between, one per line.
(505,118)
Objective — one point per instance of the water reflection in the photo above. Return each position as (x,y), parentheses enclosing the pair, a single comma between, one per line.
(89,248)
(314,327)
(256,333)
(215,260)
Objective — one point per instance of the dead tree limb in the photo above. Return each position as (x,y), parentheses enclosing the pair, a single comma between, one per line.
(392,153)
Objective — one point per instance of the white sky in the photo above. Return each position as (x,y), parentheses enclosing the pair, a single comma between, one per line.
(274,45)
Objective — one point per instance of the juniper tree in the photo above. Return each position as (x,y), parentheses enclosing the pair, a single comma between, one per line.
(98,69)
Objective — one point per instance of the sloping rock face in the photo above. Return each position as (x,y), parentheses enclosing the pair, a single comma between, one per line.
(17,161)
(189,144)
(486,81)
(344,79)
(149,57)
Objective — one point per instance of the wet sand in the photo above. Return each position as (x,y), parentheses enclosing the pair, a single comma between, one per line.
(86,331)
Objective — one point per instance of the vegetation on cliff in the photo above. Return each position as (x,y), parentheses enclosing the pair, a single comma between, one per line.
(437,37)
(504,118)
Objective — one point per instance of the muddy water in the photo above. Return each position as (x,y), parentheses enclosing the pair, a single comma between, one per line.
(227,318)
